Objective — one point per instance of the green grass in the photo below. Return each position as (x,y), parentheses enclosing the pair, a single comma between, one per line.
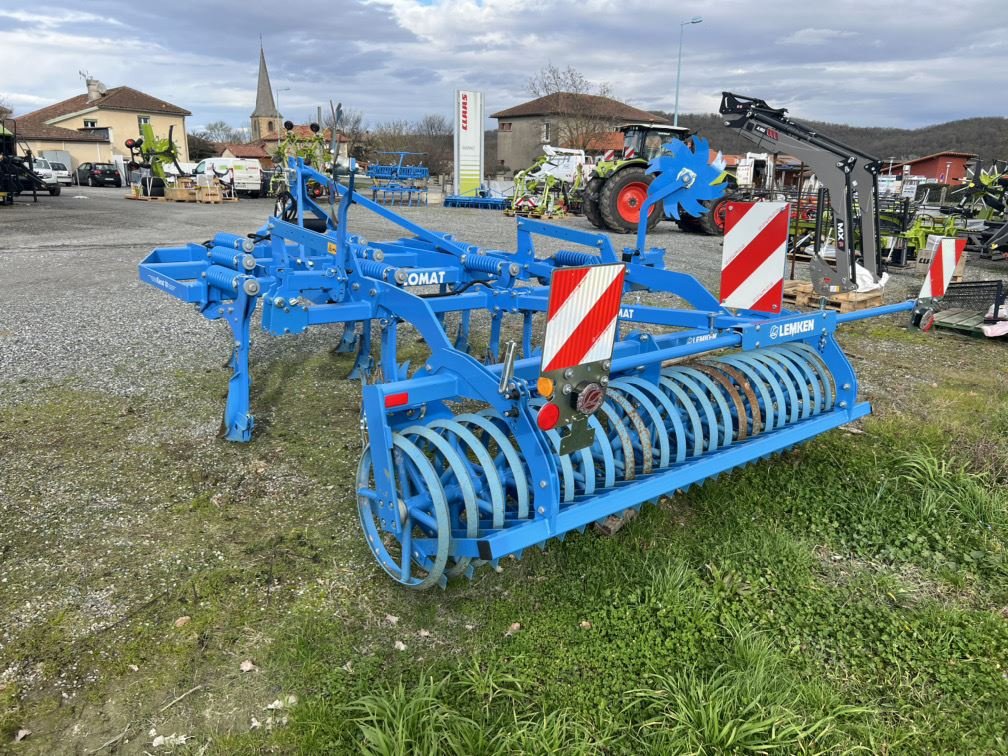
(813,604)
(848,597)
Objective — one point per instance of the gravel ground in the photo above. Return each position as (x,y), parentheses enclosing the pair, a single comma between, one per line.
(75,312)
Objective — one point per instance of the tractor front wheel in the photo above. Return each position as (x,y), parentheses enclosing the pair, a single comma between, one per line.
(622,197)
(713,221)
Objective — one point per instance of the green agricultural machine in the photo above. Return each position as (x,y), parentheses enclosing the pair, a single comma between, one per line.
(618,185)
(153,153)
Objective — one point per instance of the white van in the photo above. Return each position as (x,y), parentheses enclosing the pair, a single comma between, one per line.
(247,173)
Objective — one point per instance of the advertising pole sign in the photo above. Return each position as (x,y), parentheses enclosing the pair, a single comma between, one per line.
(468,141)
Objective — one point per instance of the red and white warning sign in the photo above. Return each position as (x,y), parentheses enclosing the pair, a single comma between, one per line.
(755,252)
(581,318)
(943,264)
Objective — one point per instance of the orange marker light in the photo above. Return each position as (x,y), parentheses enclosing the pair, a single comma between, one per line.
(545,386)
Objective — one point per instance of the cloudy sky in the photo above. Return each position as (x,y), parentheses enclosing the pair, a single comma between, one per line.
(892,63)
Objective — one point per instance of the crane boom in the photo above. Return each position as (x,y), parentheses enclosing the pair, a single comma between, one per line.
(850,175)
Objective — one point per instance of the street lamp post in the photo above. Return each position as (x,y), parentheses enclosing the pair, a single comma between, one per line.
(276,97)
(682,26)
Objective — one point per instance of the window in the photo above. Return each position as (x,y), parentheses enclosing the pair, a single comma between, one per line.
(545,132)
(143,120)
(652,146)
(269,127)
(505,126)
(90,124)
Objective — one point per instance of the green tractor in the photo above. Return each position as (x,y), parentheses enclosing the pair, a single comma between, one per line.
(617,188)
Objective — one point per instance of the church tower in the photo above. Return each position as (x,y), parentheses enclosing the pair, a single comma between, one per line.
(265,117)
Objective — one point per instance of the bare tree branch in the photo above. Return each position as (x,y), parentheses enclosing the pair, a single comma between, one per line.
(582,112)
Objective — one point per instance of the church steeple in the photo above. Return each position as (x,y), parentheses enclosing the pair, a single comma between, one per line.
(265,117)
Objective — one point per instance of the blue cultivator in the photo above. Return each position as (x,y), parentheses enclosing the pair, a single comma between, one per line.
(463,463)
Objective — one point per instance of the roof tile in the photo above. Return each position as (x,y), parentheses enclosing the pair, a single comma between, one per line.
(28,128)
(565,103)
(117,98)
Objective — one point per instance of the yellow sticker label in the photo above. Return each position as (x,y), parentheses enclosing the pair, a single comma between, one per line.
(332,248)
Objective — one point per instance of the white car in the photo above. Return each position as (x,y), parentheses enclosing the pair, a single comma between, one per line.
(42,168)
(61,172)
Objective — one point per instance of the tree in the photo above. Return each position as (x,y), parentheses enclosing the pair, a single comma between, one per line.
(431,135)
(434,135)
(221,131)
(5,109)
(583,108)
(352,127)
(199,148)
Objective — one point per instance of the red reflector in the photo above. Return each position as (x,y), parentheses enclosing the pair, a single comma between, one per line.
(548,416)
(397,400)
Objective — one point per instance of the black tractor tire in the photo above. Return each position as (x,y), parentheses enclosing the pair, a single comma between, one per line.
(55,191)
(712,222)
(591,203)
(689,224)
(614,198)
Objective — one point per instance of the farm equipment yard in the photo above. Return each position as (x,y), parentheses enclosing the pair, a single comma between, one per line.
(158,582)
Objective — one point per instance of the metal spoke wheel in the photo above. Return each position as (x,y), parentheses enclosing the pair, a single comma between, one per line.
(409,536)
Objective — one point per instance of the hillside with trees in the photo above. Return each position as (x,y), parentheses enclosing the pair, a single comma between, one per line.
(986,137)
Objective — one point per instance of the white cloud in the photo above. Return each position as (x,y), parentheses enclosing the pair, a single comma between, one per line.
(836,60)
(50,18)
(814,37)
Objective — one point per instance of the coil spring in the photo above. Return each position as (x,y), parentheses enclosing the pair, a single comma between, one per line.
(570,257)
(380,270)
(223,278)
(483,264)
(470,472)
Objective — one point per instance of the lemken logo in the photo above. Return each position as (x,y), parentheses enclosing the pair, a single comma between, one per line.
(796,328)
(424,279)
(465,112)
(700,339)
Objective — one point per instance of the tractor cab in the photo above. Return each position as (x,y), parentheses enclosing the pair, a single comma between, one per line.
(645,140)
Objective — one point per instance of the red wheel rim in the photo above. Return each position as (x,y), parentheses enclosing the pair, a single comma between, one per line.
(720,212)
(630,199)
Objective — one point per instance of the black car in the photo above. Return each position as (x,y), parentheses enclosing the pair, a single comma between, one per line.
(98,174)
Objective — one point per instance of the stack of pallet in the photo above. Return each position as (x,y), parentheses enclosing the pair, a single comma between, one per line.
(800,294)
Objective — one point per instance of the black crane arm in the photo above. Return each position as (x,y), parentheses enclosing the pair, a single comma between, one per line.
(850,175)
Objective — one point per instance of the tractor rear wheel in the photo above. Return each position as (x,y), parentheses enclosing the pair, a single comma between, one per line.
(591,203)
(622,197)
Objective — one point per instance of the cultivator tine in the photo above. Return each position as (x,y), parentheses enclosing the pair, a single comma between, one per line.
(468,462)
(462,336)
(348,342)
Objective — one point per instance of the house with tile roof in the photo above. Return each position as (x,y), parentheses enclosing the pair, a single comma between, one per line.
(94,126)
(562,119)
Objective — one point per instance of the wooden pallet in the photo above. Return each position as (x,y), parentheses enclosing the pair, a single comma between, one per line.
(964,321)
(143,198)
(801,294)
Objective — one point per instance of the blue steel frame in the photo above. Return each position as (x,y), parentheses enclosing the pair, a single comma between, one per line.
(306,278)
